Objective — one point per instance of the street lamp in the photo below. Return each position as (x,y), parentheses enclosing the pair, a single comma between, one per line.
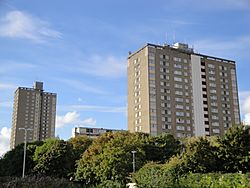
(133,152)
(24,148)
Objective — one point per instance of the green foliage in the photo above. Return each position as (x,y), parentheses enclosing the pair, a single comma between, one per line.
(199,156)
(79,145)
(110,183)
(234,150)
(54,158)
(37,182)
(12,162)
(151,175)
(215,180)
(161,148)
(110,158)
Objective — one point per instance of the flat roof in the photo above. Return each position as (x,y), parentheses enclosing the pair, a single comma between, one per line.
(182,51)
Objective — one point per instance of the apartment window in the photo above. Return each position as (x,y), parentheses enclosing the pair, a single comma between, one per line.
(179,99)
(180,135)
(177,79)
(215,117)
(178,92)
(213,97)
(211,72)
(178,106)
(216,131)
(178,72)
(212,84)
(151,75)
(177,59)
(213,110)
(152,62)
(179,113)
(212,91)
(181,128)
(214,104)
(211,66)
(211,78)
(164,56)
(178,120)
(178,86)
(177,66)
(216,124)
(164,77)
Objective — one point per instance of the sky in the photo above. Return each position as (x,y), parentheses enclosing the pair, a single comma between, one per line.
(79,50)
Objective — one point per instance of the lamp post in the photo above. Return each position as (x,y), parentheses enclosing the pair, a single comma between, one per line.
(133,152)
(24,148)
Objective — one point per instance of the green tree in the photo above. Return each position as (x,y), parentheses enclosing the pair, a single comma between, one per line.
(110,158)
(234,150)
(198,156)
(161,148)
(151,176)
(54,158)
(79,145)
(12,162)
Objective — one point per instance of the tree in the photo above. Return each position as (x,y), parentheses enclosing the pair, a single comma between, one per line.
(234,149)
(151,176)
(110,158)
(198,156)
(161,148)
(79,145)
(12,162)
(54,158)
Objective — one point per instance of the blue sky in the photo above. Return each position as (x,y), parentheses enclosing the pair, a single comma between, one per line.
(79,50)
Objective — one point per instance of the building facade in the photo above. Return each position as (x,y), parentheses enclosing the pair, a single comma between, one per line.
(33,109)
(91,132)
(172,89)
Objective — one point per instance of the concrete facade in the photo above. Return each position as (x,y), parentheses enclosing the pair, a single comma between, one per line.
(33,108)
(172,89)
(91,132)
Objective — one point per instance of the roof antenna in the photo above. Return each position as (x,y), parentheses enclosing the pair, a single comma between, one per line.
(174,36)
(166,37)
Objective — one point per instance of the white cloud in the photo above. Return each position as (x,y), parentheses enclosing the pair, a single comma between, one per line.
(7,86)
(94,108)
(101,66)
(73,118)
(235,3)
(230,48)
(8,66)
(245,106)
(17,24)
(6,104)
(106,66)
(81,86)
(4,140)
(216,5)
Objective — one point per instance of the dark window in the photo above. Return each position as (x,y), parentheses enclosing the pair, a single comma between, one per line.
(205,115)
